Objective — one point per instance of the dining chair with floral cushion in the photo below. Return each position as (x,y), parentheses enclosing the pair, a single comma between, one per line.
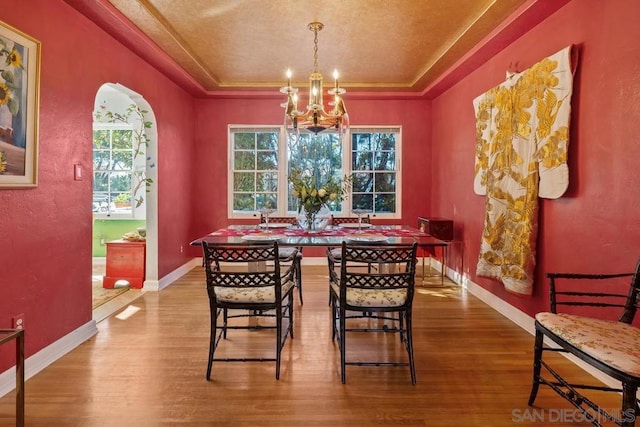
(237,292)
(591,317)
(285,253)
(359,296)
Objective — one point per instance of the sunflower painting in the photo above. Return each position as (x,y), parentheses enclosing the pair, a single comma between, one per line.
(19,57)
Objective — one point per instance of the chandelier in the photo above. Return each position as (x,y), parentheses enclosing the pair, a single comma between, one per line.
(315,118)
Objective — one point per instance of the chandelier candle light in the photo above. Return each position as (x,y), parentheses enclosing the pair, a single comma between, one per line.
(315,118)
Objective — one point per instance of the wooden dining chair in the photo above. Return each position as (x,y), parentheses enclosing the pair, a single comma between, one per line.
(285,253)
(337,220)
(280,219)
(602,334)
(386,295)
(236,292)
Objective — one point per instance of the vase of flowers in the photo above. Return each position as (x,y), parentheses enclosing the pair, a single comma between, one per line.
(314,222)
(313,197)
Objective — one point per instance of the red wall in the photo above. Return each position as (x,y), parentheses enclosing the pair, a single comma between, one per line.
(45,232)
(211,166)
(595,226)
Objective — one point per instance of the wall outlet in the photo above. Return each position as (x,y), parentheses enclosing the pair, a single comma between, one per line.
(181,249)
(102,241)
(18,321)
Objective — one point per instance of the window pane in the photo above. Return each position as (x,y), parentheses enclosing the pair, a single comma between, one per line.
(244,181)
(266,201)
(244,160)
(361,142)
(385,182)
(384,141)
(121,139)
(267,141)
(122,160)
(362,160)
(100,181)
(267,160)
(386,203)
(362,182)
(267,181)
(363,201)
(385,160)
(101,160)
(244,141)
(243,202)
(101,139)
(120,181)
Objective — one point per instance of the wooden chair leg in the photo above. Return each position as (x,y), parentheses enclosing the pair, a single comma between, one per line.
(298,273)
(278,340)
(212,340)
(630,408)
(342,340)
(537,365)
(335,320)
(290,310)
(409,344)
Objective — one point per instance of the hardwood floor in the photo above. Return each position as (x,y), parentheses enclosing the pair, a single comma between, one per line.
(146,367)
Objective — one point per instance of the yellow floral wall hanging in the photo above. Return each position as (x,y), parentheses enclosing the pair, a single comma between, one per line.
(522,139)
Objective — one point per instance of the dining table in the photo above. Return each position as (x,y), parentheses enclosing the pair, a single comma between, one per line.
(331,236)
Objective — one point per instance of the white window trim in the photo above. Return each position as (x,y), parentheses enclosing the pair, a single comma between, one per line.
(282,171)
(135,211)
(389,129)
(249,215)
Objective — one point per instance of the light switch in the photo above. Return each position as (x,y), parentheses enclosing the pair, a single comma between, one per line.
(77,172)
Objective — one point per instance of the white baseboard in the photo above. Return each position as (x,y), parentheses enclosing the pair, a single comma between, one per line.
(173,276)
(40,360)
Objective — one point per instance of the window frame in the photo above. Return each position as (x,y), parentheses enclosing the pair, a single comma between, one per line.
(398,164)
(283,185)
(135,212)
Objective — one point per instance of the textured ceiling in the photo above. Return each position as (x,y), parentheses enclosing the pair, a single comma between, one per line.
(398,45)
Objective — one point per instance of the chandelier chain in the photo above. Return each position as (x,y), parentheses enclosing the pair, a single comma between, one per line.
(315,49)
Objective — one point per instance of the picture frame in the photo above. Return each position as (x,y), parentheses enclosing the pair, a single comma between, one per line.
(19,98)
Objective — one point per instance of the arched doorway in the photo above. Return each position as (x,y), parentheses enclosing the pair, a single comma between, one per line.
(116,103)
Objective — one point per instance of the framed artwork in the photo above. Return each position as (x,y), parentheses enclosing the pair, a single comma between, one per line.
(19,89)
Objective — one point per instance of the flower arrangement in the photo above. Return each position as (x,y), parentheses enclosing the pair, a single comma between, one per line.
(312,195)
(9,82)
(10,86)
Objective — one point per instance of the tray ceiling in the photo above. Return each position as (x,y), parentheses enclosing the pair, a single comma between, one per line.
(246,45)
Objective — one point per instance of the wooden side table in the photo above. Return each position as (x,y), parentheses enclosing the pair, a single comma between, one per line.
(125,261)
(7,335)
(440,228)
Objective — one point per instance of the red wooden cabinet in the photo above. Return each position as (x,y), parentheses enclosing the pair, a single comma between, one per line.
(125,261)
(440,228)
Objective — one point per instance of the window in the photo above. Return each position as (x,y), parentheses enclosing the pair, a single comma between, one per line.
(374,168)
(321,154)
(257,181)
(116,175)
(254,159)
